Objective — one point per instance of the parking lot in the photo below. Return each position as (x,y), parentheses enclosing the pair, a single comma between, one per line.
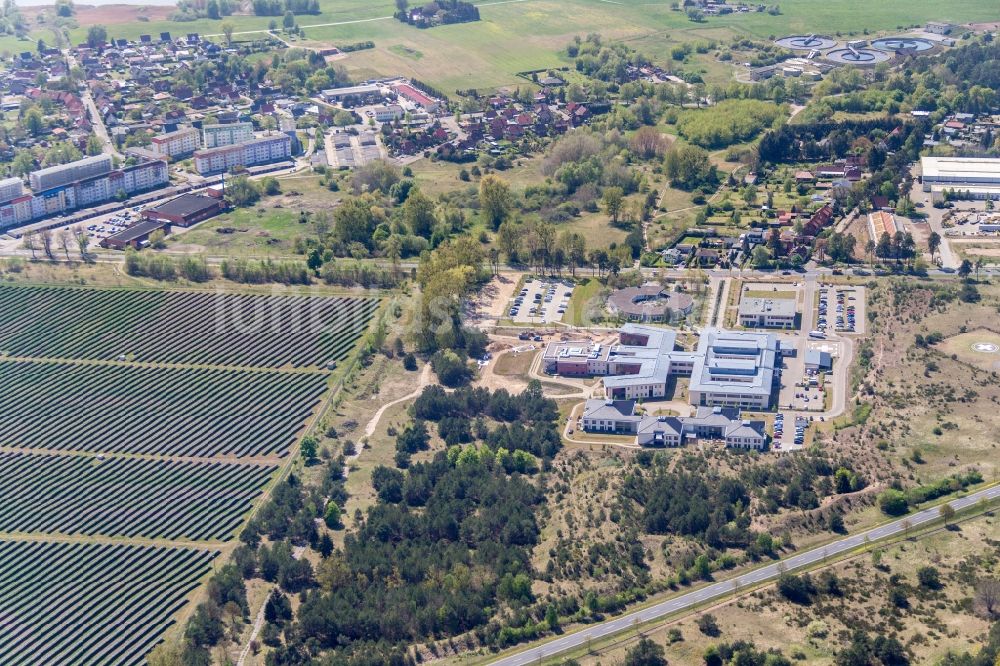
(841,309)
(112,224)
(540,301)
(789,431)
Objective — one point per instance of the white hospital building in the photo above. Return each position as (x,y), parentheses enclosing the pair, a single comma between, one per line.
(728,368)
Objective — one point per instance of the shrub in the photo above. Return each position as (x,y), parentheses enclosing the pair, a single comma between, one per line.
(929,577)
(893,502)
(708,625)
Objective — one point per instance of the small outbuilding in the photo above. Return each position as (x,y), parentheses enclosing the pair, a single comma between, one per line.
(818,361)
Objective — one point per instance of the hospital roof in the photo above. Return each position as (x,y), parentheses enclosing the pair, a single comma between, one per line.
(783,307)
(715,366)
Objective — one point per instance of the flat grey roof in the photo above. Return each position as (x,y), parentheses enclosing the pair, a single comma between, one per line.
(775,307)
(69,165)
(351,90)
(715,369)
(185,205)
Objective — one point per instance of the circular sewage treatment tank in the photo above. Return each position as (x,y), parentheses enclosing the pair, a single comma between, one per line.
(857,56)
(806,42)
(893,44)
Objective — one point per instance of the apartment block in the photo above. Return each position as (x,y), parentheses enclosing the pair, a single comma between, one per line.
(269,148)
(64,174)
(214,136)
(180,143)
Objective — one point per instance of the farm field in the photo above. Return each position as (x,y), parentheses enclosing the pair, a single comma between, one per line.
(180,327)
(126,496)
(518,35)
(146,410)
(71,603)
(524,35)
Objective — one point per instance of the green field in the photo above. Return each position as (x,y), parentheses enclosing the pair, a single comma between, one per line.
(519,35)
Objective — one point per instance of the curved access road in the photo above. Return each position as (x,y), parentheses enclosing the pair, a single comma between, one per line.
(717,591)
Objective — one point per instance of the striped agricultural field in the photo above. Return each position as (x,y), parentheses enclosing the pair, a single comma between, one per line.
(150,410)
(95,604)
(157,499)
(191,328)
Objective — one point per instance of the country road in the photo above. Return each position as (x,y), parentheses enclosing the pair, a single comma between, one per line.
(716,591)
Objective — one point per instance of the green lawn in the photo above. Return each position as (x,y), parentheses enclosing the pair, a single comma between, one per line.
(10,45)
(576,313)
(257,232)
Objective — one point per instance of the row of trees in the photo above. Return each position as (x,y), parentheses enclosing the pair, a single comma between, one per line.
(280,7)
(50,243)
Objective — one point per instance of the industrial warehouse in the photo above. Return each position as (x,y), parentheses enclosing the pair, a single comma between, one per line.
(728,368)
(976,177)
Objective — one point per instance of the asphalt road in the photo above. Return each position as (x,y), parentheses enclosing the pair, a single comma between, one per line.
(721,589)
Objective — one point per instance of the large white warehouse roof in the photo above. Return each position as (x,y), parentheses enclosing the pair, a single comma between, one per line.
(961,170)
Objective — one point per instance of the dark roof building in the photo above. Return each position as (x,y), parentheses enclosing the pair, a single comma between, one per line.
(185,210)
(650,303)
(136,235)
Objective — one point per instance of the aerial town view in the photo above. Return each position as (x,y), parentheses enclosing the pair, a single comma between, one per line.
(499,332)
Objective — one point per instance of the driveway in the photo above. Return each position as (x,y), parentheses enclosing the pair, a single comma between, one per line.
(935,218)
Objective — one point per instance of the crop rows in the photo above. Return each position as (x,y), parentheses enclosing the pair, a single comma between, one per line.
(163,411)
(195,328)
(125,496)
(94,604)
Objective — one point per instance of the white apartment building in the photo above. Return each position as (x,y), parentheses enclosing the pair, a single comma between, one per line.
(269,148)
(11,188)
(388,113)
(64,174)
(84,192)
(767,312)
(228,134)
(176,144)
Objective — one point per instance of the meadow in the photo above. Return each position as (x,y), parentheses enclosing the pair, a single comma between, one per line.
(520,35)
